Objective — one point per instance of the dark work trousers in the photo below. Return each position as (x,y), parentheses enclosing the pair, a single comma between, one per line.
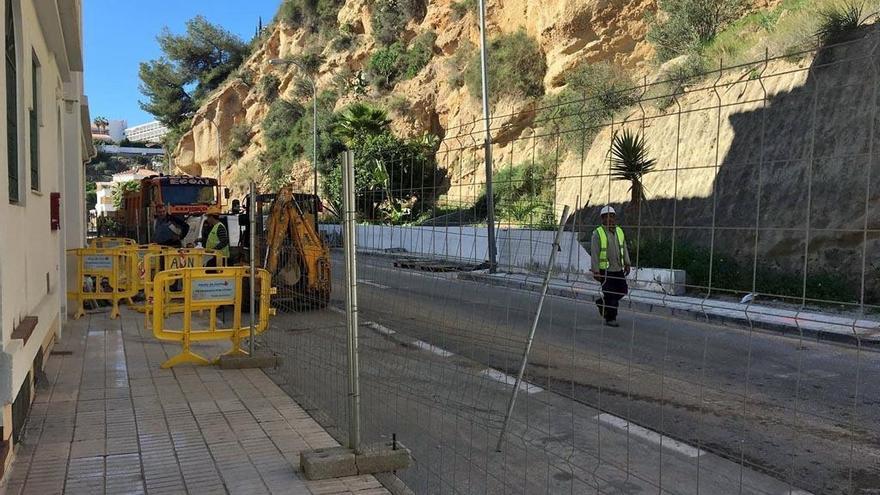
(613,289)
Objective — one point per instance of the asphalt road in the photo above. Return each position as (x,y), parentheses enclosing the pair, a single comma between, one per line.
(711,409)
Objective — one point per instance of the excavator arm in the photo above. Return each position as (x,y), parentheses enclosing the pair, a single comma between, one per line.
(296,254)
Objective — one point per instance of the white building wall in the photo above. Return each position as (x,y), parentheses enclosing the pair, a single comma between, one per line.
(32,275)
(117,129)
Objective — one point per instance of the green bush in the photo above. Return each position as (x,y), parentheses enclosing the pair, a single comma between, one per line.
(287,130)
(280,118)
(839,22)
(524,193)
(394,62)
(676,79)
(419,53)
(315,15)
(122,188)
(390,170)
(684,26)
(385,65)
(592,95)
(398,104)
(343,40)
(458,63)
(245,75)
(389,18)
(269,87)
(517,68)
(239,138)
(461,8)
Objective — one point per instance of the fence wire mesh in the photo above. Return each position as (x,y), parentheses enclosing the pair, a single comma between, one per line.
(745,357)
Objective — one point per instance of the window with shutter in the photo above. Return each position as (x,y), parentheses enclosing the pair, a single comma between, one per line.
(35,125)
(11,105)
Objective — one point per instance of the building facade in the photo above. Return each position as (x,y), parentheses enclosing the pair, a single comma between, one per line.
(151,132)
(46,141)
(116,129)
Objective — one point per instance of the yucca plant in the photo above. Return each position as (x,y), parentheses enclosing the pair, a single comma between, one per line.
(839,21)
(630,162)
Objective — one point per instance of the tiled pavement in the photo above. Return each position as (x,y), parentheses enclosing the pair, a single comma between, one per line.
(107,419)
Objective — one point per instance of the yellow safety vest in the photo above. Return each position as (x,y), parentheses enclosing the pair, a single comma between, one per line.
(603,246)
(214,239)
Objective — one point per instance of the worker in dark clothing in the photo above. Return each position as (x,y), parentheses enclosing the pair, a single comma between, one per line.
(610,264)
(218,238)
(168,229)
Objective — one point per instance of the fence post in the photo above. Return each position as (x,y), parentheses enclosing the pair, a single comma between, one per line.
(350,242)
(525,358)
(487,143)
(252,231)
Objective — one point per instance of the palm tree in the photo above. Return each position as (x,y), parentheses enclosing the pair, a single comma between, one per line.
(359,121)
(101,123)
(630,162)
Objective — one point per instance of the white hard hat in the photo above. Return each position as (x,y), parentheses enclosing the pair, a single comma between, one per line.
(606,210)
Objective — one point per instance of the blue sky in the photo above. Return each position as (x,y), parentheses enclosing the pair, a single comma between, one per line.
(119,34)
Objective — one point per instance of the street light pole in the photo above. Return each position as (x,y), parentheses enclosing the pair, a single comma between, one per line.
(311,79)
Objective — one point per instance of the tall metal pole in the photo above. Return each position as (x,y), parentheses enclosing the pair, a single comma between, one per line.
(315,150)
(349,241)
(525,359)
(252,231)
(487,143)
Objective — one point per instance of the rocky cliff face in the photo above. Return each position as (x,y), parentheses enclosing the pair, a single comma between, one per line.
(569,32)
(772,161)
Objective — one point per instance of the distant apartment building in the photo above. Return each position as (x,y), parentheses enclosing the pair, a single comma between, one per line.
(116,130)
(46,140)
(112,131)
(151,132)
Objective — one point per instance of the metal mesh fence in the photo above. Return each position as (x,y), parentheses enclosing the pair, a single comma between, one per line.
(745,357)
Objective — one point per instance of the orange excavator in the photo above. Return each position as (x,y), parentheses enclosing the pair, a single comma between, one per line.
(295,252)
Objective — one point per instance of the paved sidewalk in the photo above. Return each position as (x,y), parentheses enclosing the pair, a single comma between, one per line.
(829,326)
(107,419)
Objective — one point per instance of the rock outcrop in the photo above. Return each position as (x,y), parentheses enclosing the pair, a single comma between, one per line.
(569,32)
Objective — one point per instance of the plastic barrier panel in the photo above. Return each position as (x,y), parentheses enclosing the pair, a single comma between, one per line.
(172,259)
(207,289)
(103,275)
(111,242)
(147,265)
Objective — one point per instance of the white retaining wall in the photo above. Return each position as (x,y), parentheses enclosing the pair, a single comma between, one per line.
(517,248)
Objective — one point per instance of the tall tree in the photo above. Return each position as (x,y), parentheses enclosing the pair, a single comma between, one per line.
(193,64)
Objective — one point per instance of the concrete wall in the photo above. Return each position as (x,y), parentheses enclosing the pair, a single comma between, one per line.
(33,275)
(517,248)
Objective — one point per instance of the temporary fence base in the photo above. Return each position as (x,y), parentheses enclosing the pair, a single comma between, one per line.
(246,361)
(337,462)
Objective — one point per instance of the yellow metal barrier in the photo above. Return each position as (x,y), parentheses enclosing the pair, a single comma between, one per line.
(147,265)
(172,259)
(208,289)
(103,275)
(111,242)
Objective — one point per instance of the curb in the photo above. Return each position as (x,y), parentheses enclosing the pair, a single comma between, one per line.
(704,317)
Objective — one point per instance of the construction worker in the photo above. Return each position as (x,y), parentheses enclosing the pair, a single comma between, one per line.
(168,229)
(218,237)
(610,264)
